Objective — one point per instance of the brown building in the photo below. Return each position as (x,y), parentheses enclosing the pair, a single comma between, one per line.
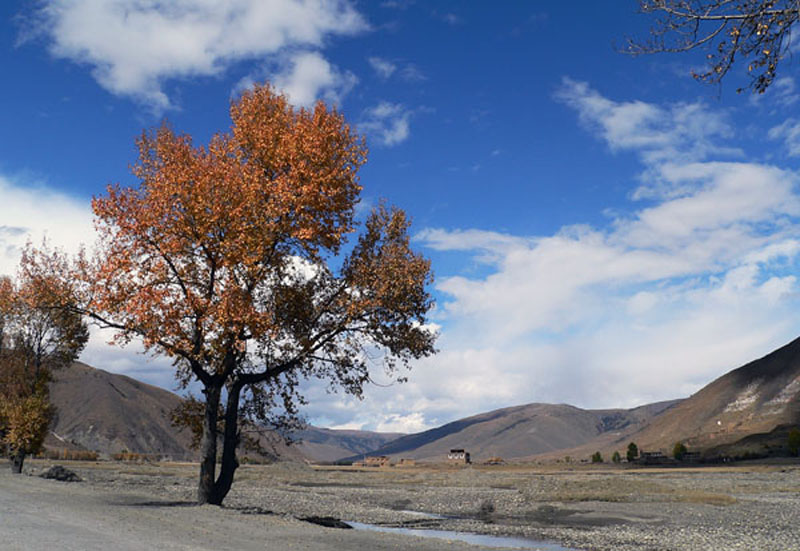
(377,461)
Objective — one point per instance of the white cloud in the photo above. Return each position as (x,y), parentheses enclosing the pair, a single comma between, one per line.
(610,318)
(684,131)
(307,77)
(33,212)
(135,46)
(449,18)
(413,422)
(130,360)
(412,73)
(653,306)
(383,67)
(694,281)
(789,132)
(388,123)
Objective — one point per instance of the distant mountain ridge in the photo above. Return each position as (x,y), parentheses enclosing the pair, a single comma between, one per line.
(329,445)
(757,402)
(522,431)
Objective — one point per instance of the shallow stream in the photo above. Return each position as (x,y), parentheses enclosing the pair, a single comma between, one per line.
(498,542)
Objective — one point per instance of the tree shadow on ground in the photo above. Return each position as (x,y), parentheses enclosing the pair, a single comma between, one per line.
(161,504)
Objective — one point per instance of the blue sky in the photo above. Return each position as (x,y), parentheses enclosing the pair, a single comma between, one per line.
(604,230)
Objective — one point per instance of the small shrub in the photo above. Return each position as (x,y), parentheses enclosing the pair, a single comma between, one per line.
(633,452)
(132,457)
(486,510)
(70,455)
(679,450)
(794,441)
(616,458)
(597,457)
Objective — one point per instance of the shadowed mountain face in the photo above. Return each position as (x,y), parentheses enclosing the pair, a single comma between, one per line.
(755,398)
(522,431)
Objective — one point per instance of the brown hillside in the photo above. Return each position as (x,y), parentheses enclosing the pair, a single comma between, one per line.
(522,431)
(110,413)
(755,398)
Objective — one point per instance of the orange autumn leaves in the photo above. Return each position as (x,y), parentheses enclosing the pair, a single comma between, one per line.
(37,336)
(232,259)
(222,253)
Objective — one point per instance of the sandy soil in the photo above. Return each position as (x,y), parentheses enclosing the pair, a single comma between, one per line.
(120,506)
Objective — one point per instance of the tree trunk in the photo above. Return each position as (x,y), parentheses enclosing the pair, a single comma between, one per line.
(17,459)
(229,444)
(206,491)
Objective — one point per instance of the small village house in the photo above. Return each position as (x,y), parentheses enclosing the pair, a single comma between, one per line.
(376,461)
(458,456)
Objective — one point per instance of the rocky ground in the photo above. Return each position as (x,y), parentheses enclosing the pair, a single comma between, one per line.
(741,507)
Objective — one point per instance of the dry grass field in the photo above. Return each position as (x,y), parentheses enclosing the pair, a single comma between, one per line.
(754,506)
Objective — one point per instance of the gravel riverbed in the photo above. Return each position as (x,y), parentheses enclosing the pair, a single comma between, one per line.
(752,507)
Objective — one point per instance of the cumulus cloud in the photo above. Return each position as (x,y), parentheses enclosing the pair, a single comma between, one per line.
(651,307)
(639,312)
(698,280)
(387,123)
(695,277)
(135,46)
(307,77)
(31,212)
(411,423)
(130,360)
(684,131)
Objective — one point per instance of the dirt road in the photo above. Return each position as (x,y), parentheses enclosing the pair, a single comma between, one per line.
(44,514)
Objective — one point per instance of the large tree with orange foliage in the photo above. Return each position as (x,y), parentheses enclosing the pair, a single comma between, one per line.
(37,335)
(232,259)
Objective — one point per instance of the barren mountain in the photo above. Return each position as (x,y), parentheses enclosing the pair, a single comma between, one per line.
(328,445)
(109,413)
(522,431)
(758,397)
